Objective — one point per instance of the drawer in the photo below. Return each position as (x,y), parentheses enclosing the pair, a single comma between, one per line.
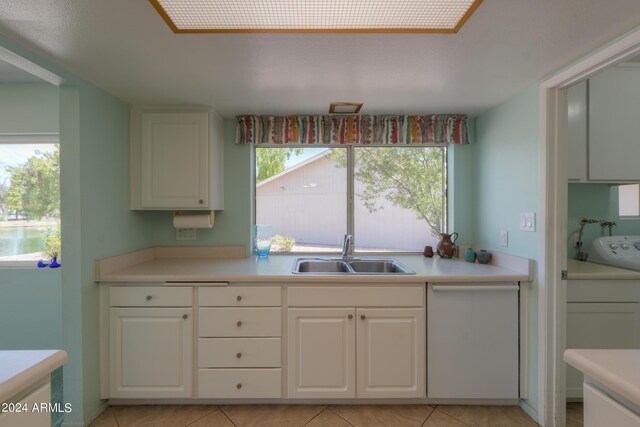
(239,297)
(240,322)
(150,296)
(345,296)
(239,353)
(239,383)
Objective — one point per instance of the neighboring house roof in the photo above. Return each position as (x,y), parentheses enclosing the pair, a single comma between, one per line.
(294,167)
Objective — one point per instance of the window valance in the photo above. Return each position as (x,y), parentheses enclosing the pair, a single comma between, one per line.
(356,129)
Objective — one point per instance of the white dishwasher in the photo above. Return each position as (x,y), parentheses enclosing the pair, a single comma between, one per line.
(472,341)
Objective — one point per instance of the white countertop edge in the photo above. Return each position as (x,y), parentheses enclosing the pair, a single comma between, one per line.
(310,278)
(607,368)
(21,368)
(585,270)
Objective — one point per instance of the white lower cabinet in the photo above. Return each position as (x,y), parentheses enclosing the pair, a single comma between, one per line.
(28,417)
(472,341)
(606,325)
(151,352)
(322,352)
(239,342)
(356,352)
(601,410)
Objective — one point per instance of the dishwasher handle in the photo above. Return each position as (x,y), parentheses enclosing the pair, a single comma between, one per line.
(480,288)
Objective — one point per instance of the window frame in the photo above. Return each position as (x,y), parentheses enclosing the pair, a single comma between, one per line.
(350,150)
(26,139)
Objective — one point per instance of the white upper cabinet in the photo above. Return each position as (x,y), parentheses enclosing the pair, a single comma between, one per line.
(577,131)
(176,159)
(614,128)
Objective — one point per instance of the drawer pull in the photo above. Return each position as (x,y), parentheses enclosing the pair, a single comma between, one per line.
(239,298)
(185,316)
(201,201)
(239,324)
(350,316)
(239,386)
(239,355)
(363,316)
(149,297)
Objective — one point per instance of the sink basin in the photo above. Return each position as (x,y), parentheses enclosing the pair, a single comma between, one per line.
(379,266)
(351,267)
(321,266)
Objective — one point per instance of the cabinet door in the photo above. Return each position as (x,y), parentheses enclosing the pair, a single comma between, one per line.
(321,353)
(614,108)
(601,409)
(175,160)
(600,325)
(391,352)
(151,352)
(577,131)
(472,349)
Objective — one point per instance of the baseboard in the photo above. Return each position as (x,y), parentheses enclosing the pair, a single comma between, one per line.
(530,410)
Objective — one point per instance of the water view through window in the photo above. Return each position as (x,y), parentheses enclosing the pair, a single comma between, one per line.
(29,201)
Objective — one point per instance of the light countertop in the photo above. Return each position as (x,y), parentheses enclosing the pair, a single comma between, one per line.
(21,368)
(618,370)
(277,268)
(578,270)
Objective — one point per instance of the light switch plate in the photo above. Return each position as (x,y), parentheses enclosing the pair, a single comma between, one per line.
(528,221)
(185,234)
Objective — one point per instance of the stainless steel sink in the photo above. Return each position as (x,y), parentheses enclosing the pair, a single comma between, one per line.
(321,266)
(379,266)
(328,266)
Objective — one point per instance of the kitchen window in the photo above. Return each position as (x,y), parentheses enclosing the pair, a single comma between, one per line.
(391,199)
(29,202)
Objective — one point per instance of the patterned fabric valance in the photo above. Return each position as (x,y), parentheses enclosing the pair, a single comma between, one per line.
(360,130)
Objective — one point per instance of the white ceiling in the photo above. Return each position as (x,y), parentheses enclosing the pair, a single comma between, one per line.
(125,47)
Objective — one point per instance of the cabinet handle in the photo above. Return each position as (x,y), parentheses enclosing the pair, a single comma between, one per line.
(239,355)
(239,386)
(239,298)
(239,324)
(149,297)
(350,316)
(185,316)
(201,201)
(363,316)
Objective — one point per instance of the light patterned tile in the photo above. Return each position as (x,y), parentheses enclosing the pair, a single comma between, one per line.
(327,418)
(271,415)
(489,416)
(160,415)
(575,412)
(573,423)
(440,419)
(383,415)
(216,419)
(105,419)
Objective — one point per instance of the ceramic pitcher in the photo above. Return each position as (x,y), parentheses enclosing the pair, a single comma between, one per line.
(446,246)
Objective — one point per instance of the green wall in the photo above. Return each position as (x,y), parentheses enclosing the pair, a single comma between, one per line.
(96,221)
(506,184)
(28,108)
(30,309)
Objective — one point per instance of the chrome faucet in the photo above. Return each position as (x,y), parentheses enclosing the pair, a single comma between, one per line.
(347,246)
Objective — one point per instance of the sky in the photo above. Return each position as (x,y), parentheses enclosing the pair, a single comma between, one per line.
(306,154)
(17,154)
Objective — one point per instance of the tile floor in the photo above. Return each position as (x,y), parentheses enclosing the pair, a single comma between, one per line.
(314,416)
(575,415)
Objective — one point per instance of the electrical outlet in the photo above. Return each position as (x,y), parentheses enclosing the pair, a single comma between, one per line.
(185,234)
(504,238)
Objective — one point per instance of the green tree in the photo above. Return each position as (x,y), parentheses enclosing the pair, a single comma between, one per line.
(35,185)
(408,177)
(271,161)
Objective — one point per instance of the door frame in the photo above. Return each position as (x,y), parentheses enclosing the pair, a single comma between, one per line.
(552,259)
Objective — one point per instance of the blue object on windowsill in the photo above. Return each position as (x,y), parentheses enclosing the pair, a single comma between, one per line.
(54,263)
